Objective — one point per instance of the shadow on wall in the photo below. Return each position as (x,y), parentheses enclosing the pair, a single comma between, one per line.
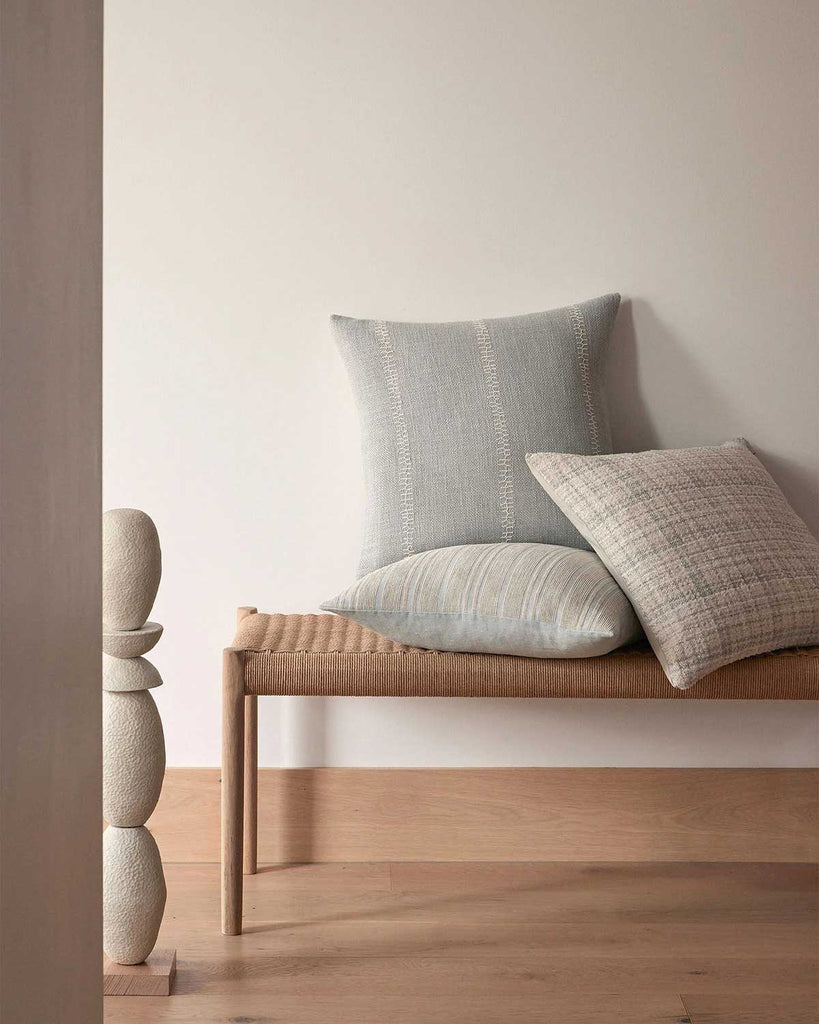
(303,725)
(680,387)
(631,425)
(686,395)
(795,480)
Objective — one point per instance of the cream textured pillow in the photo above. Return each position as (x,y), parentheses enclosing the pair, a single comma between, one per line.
(714,560)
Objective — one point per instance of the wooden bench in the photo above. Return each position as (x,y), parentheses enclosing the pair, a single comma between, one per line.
(324,655)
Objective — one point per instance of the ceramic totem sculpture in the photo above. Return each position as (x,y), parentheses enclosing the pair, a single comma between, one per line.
(133,742)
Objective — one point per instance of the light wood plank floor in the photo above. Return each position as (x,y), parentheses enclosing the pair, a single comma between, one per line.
(495,943)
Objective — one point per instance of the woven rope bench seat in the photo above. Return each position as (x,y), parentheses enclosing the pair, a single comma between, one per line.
(325,655)
(328,656)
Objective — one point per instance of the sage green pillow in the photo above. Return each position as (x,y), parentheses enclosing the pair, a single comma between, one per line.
(448,412)
(537,600)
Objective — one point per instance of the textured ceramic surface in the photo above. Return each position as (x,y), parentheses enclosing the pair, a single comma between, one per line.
(133,757)
(117,643)
(132,567)
(134,893)
(121,674)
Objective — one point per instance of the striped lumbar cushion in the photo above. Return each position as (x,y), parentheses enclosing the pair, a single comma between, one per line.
(538,600)
(428,393)
(715,561)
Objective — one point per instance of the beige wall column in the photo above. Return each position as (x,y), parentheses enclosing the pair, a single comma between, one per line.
(50,503)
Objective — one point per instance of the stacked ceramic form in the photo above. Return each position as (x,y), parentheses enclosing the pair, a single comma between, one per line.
(133,742)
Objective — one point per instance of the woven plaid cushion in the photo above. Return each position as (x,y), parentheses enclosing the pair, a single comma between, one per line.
(715,562)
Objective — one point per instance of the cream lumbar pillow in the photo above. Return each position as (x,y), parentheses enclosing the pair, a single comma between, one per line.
(537,600)
(714,560)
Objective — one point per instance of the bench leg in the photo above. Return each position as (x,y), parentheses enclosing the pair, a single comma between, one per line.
(251,783)
(233,742)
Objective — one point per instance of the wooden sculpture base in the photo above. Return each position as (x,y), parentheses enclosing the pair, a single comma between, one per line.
(152,978)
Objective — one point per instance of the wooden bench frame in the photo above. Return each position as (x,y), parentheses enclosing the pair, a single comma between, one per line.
(241,687)
(239,788)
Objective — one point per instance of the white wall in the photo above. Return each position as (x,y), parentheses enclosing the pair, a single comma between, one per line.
(271,162)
